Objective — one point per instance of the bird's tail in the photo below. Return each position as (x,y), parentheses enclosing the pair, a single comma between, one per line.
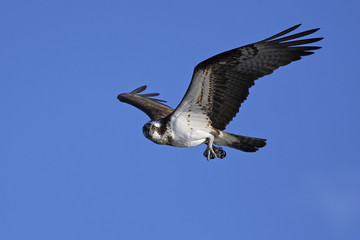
(243,143)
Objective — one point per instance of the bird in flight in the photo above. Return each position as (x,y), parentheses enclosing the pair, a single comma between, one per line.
(218,87)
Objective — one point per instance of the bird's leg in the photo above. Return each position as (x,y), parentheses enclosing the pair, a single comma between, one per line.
(209,152)
(220,153)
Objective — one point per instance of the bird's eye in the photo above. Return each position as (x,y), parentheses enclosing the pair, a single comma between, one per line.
(153,128)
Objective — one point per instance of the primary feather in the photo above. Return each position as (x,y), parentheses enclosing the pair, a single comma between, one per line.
(230,74)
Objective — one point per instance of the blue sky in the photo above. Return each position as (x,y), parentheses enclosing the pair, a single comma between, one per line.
(75,165)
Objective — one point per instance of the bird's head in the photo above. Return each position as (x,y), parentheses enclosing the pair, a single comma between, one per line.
(155,131)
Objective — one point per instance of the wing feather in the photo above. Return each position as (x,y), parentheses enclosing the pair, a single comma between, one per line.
(226,78)
(151,106)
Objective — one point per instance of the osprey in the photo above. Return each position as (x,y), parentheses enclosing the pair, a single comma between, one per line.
(218,87)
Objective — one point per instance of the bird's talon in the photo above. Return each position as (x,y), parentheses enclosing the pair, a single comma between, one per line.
(221,154)
(216,152)
(209,154)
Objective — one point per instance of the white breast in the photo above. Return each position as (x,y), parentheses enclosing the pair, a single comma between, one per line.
(186,134)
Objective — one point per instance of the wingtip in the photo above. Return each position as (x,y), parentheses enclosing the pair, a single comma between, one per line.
(297,25)
(121,97)
(139,89)
(293,27)
(312,31)
(286,31)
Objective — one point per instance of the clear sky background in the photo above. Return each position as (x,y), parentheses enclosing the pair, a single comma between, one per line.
(75,165)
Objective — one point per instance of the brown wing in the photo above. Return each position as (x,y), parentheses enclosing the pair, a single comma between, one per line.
(151,106)
(221,83)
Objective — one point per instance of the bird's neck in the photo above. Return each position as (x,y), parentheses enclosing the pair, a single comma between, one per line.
(165,131)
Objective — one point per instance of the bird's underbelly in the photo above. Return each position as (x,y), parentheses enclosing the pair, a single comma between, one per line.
(186,135)
(187,141)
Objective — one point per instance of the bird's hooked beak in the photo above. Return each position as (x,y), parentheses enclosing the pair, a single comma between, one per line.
(146,130)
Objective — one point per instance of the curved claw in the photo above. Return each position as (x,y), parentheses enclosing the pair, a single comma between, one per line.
(217,152)
(209,154)
(220,153)
(205,153)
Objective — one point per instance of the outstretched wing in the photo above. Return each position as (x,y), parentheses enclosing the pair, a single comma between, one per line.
(151,106)
(221,83)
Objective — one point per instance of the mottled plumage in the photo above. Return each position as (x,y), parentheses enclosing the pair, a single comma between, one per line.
(218,87)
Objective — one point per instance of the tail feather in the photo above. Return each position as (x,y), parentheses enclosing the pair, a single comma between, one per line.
(243,143)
